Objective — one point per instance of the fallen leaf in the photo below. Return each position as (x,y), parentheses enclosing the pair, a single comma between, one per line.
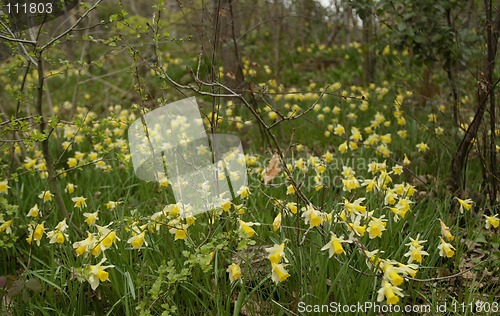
(273,169)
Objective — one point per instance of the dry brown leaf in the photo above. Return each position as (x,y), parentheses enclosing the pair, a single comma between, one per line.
(468,275)
(272,169)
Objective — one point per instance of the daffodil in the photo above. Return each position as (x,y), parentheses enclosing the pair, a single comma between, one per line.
(370,184)
(107,237)
(46,196)
(163,180)
(383,179)
(416,243)
(350,183)
(446,249)
(190,220)
(57,235)
(79,202)
(279,273)
(339,130)
(328,156)
(110,205)
(343,147)
(422,147)
(334,246)
(6,226)
(225,205)
(464,204)
(390,292)
(97,273)
(34,212)
(277,222)
(137,240)
(407,269)
(376,226)
(29,163)
(355,206)
(406,161)
(72,162)
(391,273)
(243,192)
(91,218)
(415,254)
(202,150)
(356,227)
(179,232)
(312,216)
(35,234)
(4,186)
(84,245)
(445,231)
(398,169)
(401,208)
(290,189)
(246,229)
(70,188)
(234,272)
(492,221)
(276,253)
(240,209)
(292,206)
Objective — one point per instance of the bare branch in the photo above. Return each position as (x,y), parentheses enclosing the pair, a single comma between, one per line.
(17,40)
(58,37)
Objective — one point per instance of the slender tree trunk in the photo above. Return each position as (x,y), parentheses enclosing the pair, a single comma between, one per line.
(278,24)
(486,92)
(231,59)
(369,58)
(492,50)
(450,71)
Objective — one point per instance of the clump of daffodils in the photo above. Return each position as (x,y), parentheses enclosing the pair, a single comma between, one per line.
(276,253)
(416,250)
(393,275)
(58,235)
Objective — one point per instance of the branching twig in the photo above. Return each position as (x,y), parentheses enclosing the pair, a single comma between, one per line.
(448,276)
(58,37)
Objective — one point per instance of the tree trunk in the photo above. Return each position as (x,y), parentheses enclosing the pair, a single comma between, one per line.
(369,58)
(486,92)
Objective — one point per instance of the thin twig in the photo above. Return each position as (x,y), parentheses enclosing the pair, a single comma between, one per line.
(448,276)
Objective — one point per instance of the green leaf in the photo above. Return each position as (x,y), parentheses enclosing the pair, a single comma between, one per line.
(16,288)
(130,284)
(34,285)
